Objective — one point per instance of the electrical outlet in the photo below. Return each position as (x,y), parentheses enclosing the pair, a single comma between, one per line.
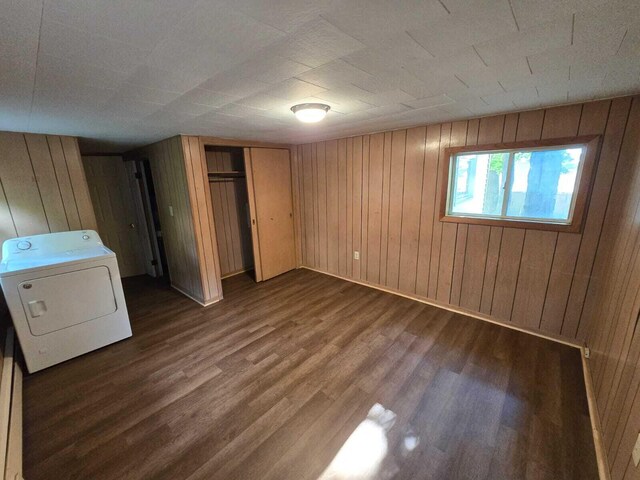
(356,255)
(636,452)
(170,211)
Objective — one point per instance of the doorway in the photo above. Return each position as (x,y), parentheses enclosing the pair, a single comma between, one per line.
(231,215)
(113,202)
(124,202)
(149,216)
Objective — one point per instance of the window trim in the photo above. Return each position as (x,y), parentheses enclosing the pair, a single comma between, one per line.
(580,202)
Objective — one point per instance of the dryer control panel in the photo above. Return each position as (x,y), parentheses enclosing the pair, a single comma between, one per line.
(50,243)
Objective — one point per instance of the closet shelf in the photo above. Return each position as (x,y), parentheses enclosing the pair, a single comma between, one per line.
(227,174)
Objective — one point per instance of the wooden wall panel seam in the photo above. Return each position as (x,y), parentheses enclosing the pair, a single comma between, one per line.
(64,182)
(366,162)
(29,153)
(297,202)
(79,186)
(424,166)
(423,266)
(351,203)
(495,274)
(546,290)
(432,286)
(73,191)
(4,201)
(400,218)
(55,173)
(385,211)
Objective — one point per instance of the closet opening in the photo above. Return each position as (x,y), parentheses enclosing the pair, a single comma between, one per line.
(232,218)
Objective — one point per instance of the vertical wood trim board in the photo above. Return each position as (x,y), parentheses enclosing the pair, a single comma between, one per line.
(535,279)
(296,178)
(43,188)
(202,209)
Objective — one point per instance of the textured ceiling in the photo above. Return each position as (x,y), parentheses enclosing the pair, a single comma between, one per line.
(122,73)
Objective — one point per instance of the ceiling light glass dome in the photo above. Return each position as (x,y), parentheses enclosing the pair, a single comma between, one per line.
(310,112)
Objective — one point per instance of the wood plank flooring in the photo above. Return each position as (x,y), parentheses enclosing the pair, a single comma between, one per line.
(309,377)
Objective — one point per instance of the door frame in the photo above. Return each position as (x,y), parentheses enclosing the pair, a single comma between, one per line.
(123,179)
(207,141)
(147,241)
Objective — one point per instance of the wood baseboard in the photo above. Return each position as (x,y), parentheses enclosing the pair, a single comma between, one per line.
(200,302)
(601,452)
(455,309)
(237,272)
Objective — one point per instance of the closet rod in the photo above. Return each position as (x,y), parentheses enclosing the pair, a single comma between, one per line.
(229,174)
(222,179)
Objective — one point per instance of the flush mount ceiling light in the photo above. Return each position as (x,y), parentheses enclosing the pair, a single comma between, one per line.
(310,112)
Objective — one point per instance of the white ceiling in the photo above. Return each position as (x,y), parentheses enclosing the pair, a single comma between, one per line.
(122,73)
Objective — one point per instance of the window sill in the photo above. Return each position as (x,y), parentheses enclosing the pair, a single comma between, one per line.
(574,227)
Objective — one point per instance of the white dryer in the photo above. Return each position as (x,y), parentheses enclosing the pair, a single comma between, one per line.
(64,294)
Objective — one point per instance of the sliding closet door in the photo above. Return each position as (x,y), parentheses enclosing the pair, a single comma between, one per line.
(271,204)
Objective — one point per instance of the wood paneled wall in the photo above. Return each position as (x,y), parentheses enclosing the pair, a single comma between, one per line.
(43,187)
(613,301)
(231,214)
(377,193)
(179,177)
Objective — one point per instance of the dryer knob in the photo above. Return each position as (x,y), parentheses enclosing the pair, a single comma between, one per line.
(24,245)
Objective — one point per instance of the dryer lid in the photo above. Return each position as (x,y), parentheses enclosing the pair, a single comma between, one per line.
(20,255)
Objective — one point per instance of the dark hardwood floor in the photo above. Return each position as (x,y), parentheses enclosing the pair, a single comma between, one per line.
(305,377)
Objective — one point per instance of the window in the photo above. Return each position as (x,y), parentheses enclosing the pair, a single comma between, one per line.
(521,184)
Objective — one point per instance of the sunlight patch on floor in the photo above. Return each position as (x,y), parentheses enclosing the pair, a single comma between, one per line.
(362,455)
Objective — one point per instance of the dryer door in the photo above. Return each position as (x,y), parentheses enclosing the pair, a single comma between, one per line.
(61,301)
